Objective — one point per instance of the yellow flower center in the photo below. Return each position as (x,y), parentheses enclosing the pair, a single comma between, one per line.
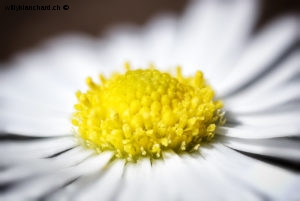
(144,112)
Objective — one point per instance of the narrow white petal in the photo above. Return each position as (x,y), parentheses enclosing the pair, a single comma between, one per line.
(266,48)
(17,152)
(159,39)
(28,101)
(259,132)
(38,86)
(36,188)
(38,126)
(160,187)
(228,189)
(271,82)
(37,167)
(69,60)
(192,178)
(185,184)
(281,122)
(281,118)
(200,35)
(71,191)
(276,148)
(135,181)
(280,96)
(30,108)
(108,184)
(273,182)
(124,44)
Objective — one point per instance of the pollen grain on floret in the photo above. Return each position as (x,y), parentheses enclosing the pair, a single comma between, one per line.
(144,112)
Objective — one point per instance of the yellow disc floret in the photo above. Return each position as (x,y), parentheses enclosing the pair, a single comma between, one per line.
(144,112)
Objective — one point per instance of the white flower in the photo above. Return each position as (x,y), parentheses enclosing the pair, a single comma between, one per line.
(257,77)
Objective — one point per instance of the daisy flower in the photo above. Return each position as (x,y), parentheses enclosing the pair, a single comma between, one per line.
(51,151)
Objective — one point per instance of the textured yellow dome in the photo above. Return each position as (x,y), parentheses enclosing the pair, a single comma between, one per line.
(144,112)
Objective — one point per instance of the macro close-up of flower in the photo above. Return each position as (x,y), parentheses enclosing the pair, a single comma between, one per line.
(191,107)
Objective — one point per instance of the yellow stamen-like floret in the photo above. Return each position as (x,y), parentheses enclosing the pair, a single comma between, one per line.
(144,112)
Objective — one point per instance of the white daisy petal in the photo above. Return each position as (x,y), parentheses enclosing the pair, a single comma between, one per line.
(235,34)
(28,98)
(284,149)
(288,93)
(34,116)
(159,46)
(279,123)
(36,188)
(74,64)
(33,123)
(34,126)
(70,191)
(228,189)
(198,182)
(142,47)
(9,98)
(108,184)
(281,118)
(15,107)
(155,189)
(266,89)
(33,119)
(266,48)
(138,171)
(12,152)
(38,86)
(259,132)
(135,180)
(187,178)
(200,35)
(271,181)
(124,44)
(36,167)
(72,58)
(161,177)
(190,188)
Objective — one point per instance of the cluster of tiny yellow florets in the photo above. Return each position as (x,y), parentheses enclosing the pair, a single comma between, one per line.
(144,112)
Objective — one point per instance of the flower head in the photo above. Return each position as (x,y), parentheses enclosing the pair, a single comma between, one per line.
(256,76)
(142,112)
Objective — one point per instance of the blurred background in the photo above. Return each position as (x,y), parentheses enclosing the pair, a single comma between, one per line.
(21,30)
